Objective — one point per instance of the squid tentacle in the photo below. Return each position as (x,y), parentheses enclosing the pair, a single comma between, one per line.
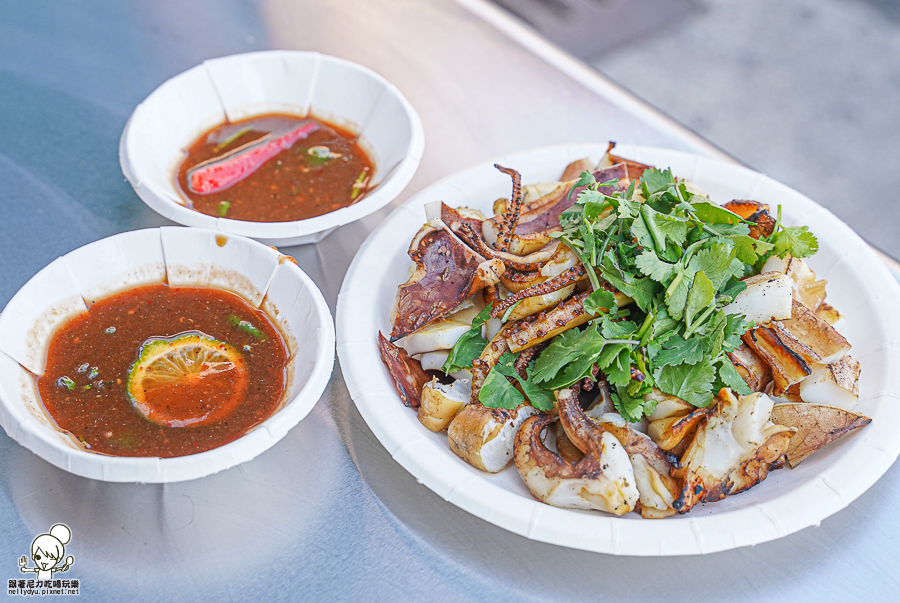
(511,215)
(560,281)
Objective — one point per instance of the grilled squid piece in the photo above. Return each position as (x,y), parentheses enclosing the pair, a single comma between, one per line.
(440,403)
(560,281)
(807,290)
(492,227)
(651,466)
(673,422)
(574,169)
(756,212)
(532,261)
(755,373)
(511,215)
(447,273)
(649,463)
(546,217)
(483,437)
(603,479)
(732,449)
(635,169)
(549,323)
(407,372)
(515,280)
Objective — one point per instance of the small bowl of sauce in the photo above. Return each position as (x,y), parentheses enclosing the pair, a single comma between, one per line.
(280,146)
(162,355)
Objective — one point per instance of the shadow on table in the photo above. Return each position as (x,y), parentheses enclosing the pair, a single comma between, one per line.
(220,534)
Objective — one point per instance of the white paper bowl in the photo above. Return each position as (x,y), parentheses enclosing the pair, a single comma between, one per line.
(163,127)
(859,285)
(181,257)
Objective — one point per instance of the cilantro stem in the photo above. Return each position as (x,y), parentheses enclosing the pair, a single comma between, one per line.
(644,331)
(509,311)
(706,313)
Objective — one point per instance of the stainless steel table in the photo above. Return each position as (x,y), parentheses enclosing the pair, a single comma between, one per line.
(327,514)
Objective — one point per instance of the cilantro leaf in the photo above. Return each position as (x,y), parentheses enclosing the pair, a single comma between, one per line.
(618,369)
(632,408)
(699,298)
(714,214)
(601,299)
(729,377)
(641,290)
(540,397)
(676,294)
(654,181)
(732,288)
(714,332)
(795,240)
(469,346)
(691,383)
(678,350)
(715,261)
(565,348)
(622,329)
(735,328)
(497,391)
(650,265)
(589,196)
(586,178)
(749,250)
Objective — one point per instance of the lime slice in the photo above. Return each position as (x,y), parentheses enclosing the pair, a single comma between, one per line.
(187,380)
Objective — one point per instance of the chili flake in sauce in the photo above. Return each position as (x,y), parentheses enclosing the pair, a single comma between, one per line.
(236,380)
(274,168)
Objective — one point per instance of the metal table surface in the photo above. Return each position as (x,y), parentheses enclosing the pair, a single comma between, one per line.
(327,514)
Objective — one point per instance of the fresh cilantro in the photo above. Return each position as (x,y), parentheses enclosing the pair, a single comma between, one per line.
(727,376)
(677,350)
(794,240)
(701,295)
(541,398)
(469,346)
(680,258)
(654,181)
(690,382)
(497,391)
(650,265)
(565,348)
(749,250)
(714,214)
(632,408)
(599,300)
(617,329)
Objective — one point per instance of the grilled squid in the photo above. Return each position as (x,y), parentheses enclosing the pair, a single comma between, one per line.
(447,273)
(602,479)
(732,450)
(511,215)
(483,437)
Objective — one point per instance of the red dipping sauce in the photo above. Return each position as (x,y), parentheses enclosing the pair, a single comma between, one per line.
(164,371)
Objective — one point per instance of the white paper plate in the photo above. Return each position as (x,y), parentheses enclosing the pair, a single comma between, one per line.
(164,126)
(179,256)
(789,500)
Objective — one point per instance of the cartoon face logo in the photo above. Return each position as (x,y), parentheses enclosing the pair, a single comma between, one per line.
(47,551)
